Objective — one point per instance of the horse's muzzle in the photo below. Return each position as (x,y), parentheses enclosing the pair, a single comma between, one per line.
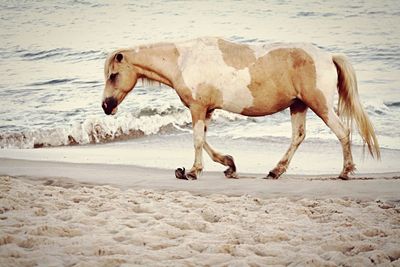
(109,104)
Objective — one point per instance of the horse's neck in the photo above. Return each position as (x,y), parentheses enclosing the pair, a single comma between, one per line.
(157,62)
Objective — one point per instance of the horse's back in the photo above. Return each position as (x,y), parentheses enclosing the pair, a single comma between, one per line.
(254,80)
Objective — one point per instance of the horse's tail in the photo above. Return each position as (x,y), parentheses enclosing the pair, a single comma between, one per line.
(349,106)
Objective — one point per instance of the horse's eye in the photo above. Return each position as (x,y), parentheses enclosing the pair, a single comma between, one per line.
(113,76)
(119,57)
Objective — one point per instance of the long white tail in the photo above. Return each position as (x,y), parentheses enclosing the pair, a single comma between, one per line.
(350,108)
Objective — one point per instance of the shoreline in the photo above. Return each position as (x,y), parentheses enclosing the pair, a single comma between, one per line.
(251,156)
(364,186)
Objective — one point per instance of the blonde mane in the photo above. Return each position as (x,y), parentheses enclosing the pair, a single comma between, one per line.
(149,82)
(145,81)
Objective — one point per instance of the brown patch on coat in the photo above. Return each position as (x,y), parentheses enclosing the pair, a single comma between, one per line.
(238,56)
(316,100)
(198,113)
(208,96)
(278,78)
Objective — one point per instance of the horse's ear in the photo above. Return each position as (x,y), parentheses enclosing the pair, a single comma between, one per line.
(119,57)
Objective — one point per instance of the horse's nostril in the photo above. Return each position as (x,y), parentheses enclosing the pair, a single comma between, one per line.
(109,104)
(104,106)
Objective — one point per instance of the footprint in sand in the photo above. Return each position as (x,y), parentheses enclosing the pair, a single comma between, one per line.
(210,215)
(46,230)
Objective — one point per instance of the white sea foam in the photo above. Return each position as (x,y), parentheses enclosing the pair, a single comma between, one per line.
(125,125)
(97,130)
(167,120)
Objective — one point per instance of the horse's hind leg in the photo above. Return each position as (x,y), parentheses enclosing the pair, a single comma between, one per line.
(298,111)
(331,119)
(225,160)
(343,134)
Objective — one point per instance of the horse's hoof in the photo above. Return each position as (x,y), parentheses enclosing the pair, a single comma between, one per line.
(272,176)
(191,176)
(230,174)
(180,173)
(343,177)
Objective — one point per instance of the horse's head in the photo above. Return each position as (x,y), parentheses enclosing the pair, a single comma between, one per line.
(120,78)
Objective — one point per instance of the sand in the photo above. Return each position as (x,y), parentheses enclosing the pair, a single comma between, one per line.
(93,206)
(66,222)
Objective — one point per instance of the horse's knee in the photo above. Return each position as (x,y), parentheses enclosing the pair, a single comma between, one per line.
(198,141)
(198,134)
(198,144)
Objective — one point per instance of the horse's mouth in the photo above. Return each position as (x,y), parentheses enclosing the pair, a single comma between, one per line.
(114,111)
(109,106)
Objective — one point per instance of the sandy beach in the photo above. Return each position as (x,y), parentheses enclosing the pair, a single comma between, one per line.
(70,214)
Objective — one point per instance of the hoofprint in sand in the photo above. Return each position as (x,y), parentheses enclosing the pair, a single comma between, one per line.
(56,223)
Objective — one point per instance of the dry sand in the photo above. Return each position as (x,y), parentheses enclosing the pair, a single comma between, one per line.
(60,222)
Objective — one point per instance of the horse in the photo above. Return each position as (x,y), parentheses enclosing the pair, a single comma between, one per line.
(212,73)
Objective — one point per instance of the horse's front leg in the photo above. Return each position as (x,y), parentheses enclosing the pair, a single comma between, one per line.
(198,122)
(225,160)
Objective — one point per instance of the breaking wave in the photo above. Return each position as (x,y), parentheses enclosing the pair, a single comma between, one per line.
(97,130)
(103,129)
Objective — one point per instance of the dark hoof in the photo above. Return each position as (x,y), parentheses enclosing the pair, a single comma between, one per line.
(191,176)
(272,176)
(230,173)
(344,177)
(180,173)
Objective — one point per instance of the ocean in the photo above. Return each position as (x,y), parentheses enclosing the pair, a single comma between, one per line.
(52,56)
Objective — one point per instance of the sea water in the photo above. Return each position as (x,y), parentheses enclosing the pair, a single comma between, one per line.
(52,56)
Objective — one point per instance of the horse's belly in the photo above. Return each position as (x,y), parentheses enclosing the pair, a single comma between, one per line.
(267,100)
(267,109)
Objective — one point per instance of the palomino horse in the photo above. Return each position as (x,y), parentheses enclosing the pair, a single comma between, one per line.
(212,73)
